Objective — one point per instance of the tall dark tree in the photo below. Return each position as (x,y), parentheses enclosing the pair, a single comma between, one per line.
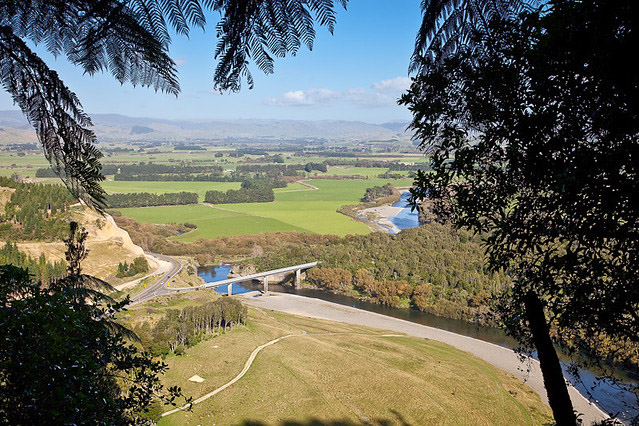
(130,39)
(533,131)
(63,359)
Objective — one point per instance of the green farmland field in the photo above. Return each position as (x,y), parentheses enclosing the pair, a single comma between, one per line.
(163,187)
(296,208)
(211,222)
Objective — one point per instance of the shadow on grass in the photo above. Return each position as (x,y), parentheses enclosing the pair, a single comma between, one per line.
(398,420)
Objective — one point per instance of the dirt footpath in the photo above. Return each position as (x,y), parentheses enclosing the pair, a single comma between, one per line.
(502,358)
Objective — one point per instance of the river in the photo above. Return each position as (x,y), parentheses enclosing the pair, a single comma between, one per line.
(609,397)
(406,218)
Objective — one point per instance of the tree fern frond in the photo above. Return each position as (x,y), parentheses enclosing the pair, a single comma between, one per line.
(261,30)
(57,117)
(447,24)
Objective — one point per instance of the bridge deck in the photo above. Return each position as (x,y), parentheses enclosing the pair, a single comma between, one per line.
(258,275)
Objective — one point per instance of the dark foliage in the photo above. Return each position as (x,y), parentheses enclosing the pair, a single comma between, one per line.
(376,192)
(263,194)
(138,266)
(448,25)
(533,134)
(35,211)
(320,167)
(178,330)
(64,360)
(145,199)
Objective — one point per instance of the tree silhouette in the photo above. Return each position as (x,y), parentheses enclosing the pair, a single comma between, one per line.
(448,25)
(64,359)
(533,137)
(130,39)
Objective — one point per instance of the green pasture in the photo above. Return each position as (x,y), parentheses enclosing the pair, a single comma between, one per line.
(211,222)
(296,208)
(163,187)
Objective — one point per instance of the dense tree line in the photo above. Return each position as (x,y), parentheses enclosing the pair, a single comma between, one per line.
(271,169)
(399,167)
(185,147)
(178,177)
(34,211)
(261,183)
(180,329)
(262,194)
(139,266)
(388,175)
(145,199)
(135,171)
(432,268)
(266,159)
(241,152)
(392,166)
(320,167)
(376,192)
(42,270)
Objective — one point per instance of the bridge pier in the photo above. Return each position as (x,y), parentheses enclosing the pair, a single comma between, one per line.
(265,280)
(230,289)
(298,278)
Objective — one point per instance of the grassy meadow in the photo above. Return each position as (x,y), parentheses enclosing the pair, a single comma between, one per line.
(342,373)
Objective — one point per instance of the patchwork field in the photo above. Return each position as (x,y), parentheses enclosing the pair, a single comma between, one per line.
(397,380)
(296,208)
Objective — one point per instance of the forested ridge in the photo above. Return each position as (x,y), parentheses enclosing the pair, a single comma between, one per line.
(35,211)
(42,270)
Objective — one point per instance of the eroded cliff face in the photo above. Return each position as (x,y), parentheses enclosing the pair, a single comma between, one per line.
(107,245)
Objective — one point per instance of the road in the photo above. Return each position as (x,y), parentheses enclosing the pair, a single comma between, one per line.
(160,288)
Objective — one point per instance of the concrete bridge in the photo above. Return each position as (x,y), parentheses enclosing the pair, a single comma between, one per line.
(263,275)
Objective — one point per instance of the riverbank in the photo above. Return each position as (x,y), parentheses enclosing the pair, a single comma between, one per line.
(500,357)
(382,215)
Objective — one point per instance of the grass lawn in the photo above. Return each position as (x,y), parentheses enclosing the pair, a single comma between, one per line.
(354,377)
(163,187)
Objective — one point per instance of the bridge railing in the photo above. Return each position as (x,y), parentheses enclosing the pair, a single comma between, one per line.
(259,275)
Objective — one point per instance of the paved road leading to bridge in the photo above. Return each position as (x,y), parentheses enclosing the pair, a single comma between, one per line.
(160,288)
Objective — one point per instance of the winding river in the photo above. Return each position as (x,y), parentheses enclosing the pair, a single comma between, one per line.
(609,397)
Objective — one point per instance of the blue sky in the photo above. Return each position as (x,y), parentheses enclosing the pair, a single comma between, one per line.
(356,74)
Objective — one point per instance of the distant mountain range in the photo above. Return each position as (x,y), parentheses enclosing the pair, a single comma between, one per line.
(14,128)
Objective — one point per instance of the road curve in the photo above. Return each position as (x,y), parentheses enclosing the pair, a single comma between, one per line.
(160,288)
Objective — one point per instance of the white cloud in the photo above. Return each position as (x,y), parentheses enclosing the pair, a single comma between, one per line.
(397,84)
(304,97)
(383,93)
(180,61)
